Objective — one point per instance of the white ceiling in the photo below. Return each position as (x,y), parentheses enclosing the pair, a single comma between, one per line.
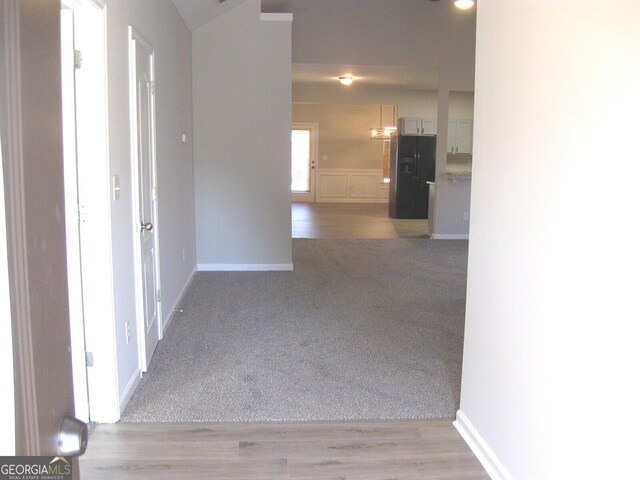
(373,75)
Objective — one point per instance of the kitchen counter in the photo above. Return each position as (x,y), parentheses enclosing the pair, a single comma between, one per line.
(455,175)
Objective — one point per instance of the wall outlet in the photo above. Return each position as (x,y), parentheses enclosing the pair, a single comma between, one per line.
(127,327)
(465,216)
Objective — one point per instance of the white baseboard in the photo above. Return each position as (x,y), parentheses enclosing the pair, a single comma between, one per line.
(450,236)
(245,267)
(169,318)
(480,448)
(126,394)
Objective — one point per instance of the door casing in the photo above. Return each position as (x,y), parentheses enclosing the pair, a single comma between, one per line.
(7,399)
(91,288)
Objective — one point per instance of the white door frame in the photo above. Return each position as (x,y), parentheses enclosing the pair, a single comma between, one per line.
(72,220)
(134,37)
(7,399)
(309,197)
(90,256)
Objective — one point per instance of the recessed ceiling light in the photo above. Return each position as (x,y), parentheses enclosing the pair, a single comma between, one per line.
(346,80)
(464,4)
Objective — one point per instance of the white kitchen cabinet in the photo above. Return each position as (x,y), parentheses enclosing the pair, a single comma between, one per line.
(460,136)
(417,126)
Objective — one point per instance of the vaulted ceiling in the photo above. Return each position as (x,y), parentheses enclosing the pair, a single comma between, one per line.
(199,12)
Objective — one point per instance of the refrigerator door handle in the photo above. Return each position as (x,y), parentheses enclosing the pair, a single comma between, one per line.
(418,167)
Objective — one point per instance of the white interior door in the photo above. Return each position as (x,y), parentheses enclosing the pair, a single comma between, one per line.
(32,171)
(303,162)
(146,211)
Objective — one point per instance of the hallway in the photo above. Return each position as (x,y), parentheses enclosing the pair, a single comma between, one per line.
(402,450)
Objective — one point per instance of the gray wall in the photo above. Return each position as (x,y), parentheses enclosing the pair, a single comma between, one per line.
(410,103)
(551,335)
(242,146)
(160,24)
(343,133)
(455,196)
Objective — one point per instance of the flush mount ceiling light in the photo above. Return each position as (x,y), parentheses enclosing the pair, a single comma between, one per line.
(464,4)
(346,80)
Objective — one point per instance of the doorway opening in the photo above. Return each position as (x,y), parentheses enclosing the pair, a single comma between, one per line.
(88,210)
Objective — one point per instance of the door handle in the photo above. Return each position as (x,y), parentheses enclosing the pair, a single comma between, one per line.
(73,435)
(146,227)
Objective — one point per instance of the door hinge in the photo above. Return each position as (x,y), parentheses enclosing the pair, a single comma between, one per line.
(77,59)
(159,297)
(88,356)
(152,87)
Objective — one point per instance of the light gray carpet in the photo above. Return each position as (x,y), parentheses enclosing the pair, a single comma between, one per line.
(362,329)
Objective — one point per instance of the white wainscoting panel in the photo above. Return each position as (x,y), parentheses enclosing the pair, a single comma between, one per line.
(351,185)
(363,186)
(333,185)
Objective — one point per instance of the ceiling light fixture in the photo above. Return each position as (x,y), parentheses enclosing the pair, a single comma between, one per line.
(346,80)
(383,133)
(464,4)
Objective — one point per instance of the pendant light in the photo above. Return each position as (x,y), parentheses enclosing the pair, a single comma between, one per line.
(383,133)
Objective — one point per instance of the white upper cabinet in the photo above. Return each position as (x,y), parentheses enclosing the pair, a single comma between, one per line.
(428,126)
(417,126)
(460,136)
(409,126)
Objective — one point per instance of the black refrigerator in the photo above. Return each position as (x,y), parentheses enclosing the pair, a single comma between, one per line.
(413,165)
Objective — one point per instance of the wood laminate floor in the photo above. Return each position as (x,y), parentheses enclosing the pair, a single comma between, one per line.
(351,220)
(363,450)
